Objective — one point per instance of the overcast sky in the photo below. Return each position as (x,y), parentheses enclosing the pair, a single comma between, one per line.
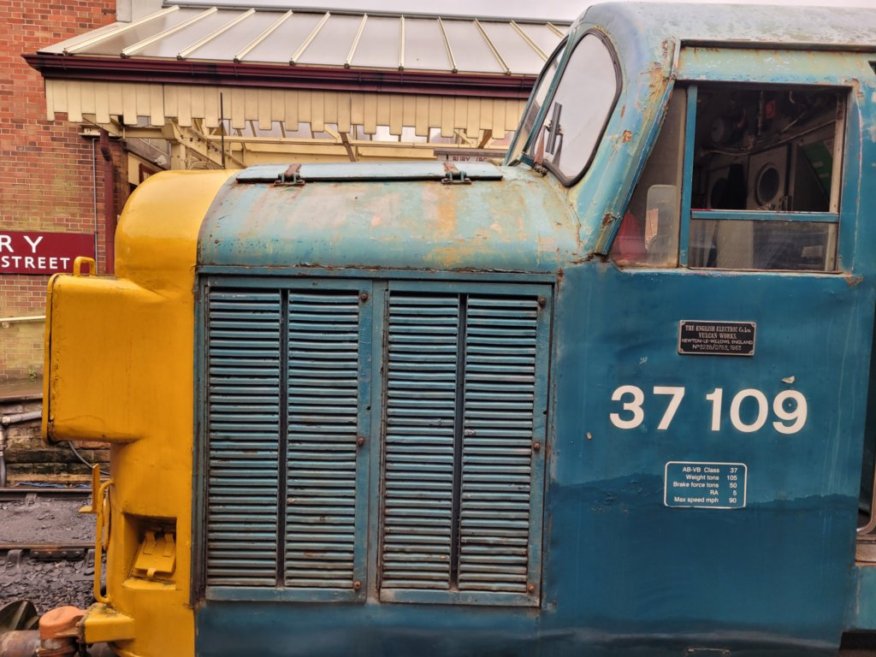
(561,10)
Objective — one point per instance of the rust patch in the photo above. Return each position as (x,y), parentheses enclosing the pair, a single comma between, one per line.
(445,216)
(656,82)
(668,50)
(607,219)
(853,281)
(628,136)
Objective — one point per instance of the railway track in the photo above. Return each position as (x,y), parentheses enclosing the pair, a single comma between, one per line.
(13,551)
(71,550)
(18,493)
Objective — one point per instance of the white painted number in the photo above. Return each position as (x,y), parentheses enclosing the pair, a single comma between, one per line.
(749,409)
(797,417)
(762,410)
(715,397)
(677,393)
(634,407)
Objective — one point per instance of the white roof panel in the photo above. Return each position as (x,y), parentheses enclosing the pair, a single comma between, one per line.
(312,38)
(279,46)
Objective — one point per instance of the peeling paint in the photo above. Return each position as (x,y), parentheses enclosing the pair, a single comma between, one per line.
(514,224)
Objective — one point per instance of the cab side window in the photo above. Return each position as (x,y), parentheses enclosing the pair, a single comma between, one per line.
(764,192)
(761,184)
(649,231)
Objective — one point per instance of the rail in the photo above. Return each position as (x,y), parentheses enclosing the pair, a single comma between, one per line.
(67,548)
(13,493)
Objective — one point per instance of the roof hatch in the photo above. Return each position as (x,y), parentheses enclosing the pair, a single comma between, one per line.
(449,172)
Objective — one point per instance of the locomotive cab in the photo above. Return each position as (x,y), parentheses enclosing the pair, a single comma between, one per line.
(609,398)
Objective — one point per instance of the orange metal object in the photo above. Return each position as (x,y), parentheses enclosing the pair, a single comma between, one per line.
(60,622)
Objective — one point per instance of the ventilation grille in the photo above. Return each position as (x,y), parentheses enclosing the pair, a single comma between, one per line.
(321,454)
(243,370)
(290,375)
(283,388)
(500,358)
(461,397)
(421,402)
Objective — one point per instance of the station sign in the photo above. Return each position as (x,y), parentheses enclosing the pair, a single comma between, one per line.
(37,252)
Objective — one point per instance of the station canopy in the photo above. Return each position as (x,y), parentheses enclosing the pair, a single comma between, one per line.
(248,85)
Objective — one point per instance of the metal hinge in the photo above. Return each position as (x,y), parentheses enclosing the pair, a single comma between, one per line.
(291,176)
(453,176)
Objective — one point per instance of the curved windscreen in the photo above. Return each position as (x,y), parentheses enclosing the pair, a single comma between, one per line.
(538,98)
(579,110)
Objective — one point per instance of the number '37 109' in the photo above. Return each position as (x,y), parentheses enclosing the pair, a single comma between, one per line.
(789,408)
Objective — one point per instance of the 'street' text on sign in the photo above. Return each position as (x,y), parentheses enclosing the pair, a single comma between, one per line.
(26,252)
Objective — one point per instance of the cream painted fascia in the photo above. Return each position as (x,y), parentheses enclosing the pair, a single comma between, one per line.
(158,103)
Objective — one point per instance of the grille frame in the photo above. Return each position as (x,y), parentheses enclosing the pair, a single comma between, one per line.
(541,296)
(373,330)
(282,589)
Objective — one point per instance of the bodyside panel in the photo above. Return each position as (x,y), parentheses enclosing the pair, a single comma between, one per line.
(623,571)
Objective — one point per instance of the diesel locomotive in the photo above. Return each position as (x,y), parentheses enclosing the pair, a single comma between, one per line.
(608,398)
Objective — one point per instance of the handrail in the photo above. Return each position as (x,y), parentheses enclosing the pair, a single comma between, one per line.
(4,321)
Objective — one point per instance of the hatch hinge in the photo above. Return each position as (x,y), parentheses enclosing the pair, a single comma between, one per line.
(453,176)
(291,176)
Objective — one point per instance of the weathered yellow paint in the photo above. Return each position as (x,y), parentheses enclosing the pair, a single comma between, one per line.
(100,331)
(155,556)
(102,511)
(103,623)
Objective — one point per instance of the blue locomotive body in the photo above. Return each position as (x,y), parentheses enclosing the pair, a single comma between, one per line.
(694,405)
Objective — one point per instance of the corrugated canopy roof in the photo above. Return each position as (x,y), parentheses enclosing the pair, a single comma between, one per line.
(325,39)
(247,85)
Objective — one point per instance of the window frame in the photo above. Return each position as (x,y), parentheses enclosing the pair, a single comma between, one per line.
(689,214)
(522,155)
(643,169)
(569,181)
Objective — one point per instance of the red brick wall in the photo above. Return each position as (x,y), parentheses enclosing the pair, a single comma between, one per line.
(46,179)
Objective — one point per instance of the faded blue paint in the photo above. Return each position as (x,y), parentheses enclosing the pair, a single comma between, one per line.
(622,573)
(515,224)
(819,28)
(753,215)
(772,65)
